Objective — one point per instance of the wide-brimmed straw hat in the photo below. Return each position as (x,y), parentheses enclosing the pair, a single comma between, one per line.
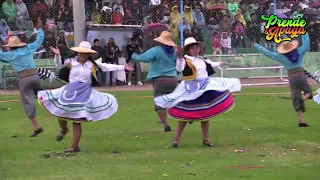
(14,41)
(189,42)
(165,38)
(84,47)
(287,46)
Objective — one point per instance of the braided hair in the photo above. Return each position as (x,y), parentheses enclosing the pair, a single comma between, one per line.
(315,78)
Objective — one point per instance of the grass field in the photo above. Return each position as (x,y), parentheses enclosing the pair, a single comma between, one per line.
(263,126)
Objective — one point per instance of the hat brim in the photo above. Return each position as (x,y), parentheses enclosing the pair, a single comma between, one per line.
(165,42)
(15,45)
(281,50)
(186,47)
(83,50)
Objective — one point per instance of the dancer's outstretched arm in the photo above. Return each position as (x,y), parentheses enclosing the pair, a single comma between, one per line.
(214,64)
(57,58)
(146,57)
(113,67)
(273,55)
(305,45)
(33,47)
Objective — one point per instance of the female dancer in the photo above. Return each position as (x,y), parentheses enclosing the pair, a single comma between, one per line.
(291,57)
(162,72)
(77,101)
(198,97)
(20,57)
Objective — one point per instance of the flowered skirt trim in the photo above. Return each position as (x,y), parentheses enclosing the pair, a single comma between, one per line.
(210,104)
(100,107)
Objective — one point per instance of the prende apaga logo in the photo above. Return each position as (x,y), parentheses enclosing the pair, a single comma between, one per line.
(276,27)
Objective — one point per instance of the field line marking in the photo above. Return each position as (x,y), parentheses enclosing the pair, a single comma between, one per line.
(137,97)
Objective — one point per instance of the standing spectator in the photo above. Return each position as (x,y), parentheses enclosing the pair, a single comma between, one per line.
(118,5)
(238,32)
(22,14)
(134,48)
(226,43)
(253,29)
(198,17)
(111,57)
(188,15)
(174,23)
(117,17)
(241,17)
(137,10)
(232,7)
(100,54)
(9,11)
(65,17)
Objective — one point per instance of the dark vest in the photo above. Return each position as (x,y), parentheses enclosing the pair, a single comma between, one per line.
(189,72)
(65,72)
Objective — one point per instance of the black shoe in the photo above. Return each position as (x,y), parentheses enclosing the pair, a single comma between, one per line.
(73,150)
(207,143)
(167,128)
(62,134)
(36,132)
(175,144)
(303,125)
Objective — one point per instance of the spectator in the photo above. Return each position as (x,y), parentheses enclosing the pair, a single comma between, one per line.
(106,7)
(174,23)
(111,57)
(157,16)
(247,14)
(297,13)
(225,25)
(39,8)
(63,43)
(261,11)
(106,14)
(313,29)
(216,43)
(117,17)
(128,18)
(95,16)
(121,75)
(22,14)
(50,21)
(101,54)
(4,29)
(238,32)
(134,48)
(184,26)
(148,41)
(65,17)
(188,16)
(270,10)
(232,7)
(253,29)
(197,34)
(241,18)
(155,2)
(22,36)
(198,17)
(210,3)
(303,4)
(9,11)
(49,41)
(118,5)
(137,10)
(226,43)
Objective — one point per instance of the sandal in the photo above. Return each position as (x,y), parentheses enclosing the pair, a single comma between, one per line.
(175,144)
(207,143)
(167,128)
(37,132)
(73,150)
(62,134)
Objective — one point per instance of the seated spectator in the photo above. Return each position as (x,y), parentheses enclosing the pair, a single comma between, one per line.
(184,26)
(197,34)
(128,19)
(49,41)
(238,32)
(241,17)
(118,5)
(4,29)
(39,8)
(106,7)
(210,3)
(188,16)
(225,25)
(121,75)
(247,14)
(156,16)
(298,13)
(198,17)
(216,43)
(253,29)
(65,17)
(9,11)
(233,6)
(22,14)
(95,16)
(137,10)
(225,43)
(117,17)
(50,21)
(106,14)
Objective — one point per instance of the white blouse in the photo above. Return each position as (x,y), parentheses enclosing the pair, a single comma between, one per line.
(82,73)
(199,63)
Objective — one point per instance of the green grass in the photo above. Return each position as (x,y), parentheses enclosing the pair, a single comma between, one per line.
(143,146)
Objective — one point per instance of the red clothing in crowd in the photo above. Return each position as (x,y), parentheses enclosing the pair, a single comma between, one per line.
(116,18)
(215,41)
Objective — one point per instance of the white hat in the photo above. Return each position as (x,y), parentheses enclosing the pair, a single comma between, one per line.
(84,47)
(190,41)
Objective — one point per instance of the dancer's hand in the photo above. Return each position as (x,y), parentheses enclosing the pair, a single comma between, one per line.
(55,50)
(179,52)
(222,63)
(128,67)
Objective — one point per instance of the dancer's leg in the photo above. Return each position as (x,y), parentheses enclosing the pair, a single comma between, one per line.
(77,132)
(64,129)
(180,128)
(205,133)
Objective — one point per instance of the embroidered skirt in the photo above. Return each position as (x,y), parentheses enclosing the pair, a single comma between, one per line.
(78,102)
(200,100)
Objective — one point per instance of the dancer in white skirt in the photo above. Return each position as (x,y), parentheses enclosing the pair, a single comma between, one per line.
(78,101)
(198,97)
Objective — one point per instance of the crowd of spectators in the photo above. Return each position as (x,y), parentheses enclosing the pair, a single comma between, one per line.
(228,23)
